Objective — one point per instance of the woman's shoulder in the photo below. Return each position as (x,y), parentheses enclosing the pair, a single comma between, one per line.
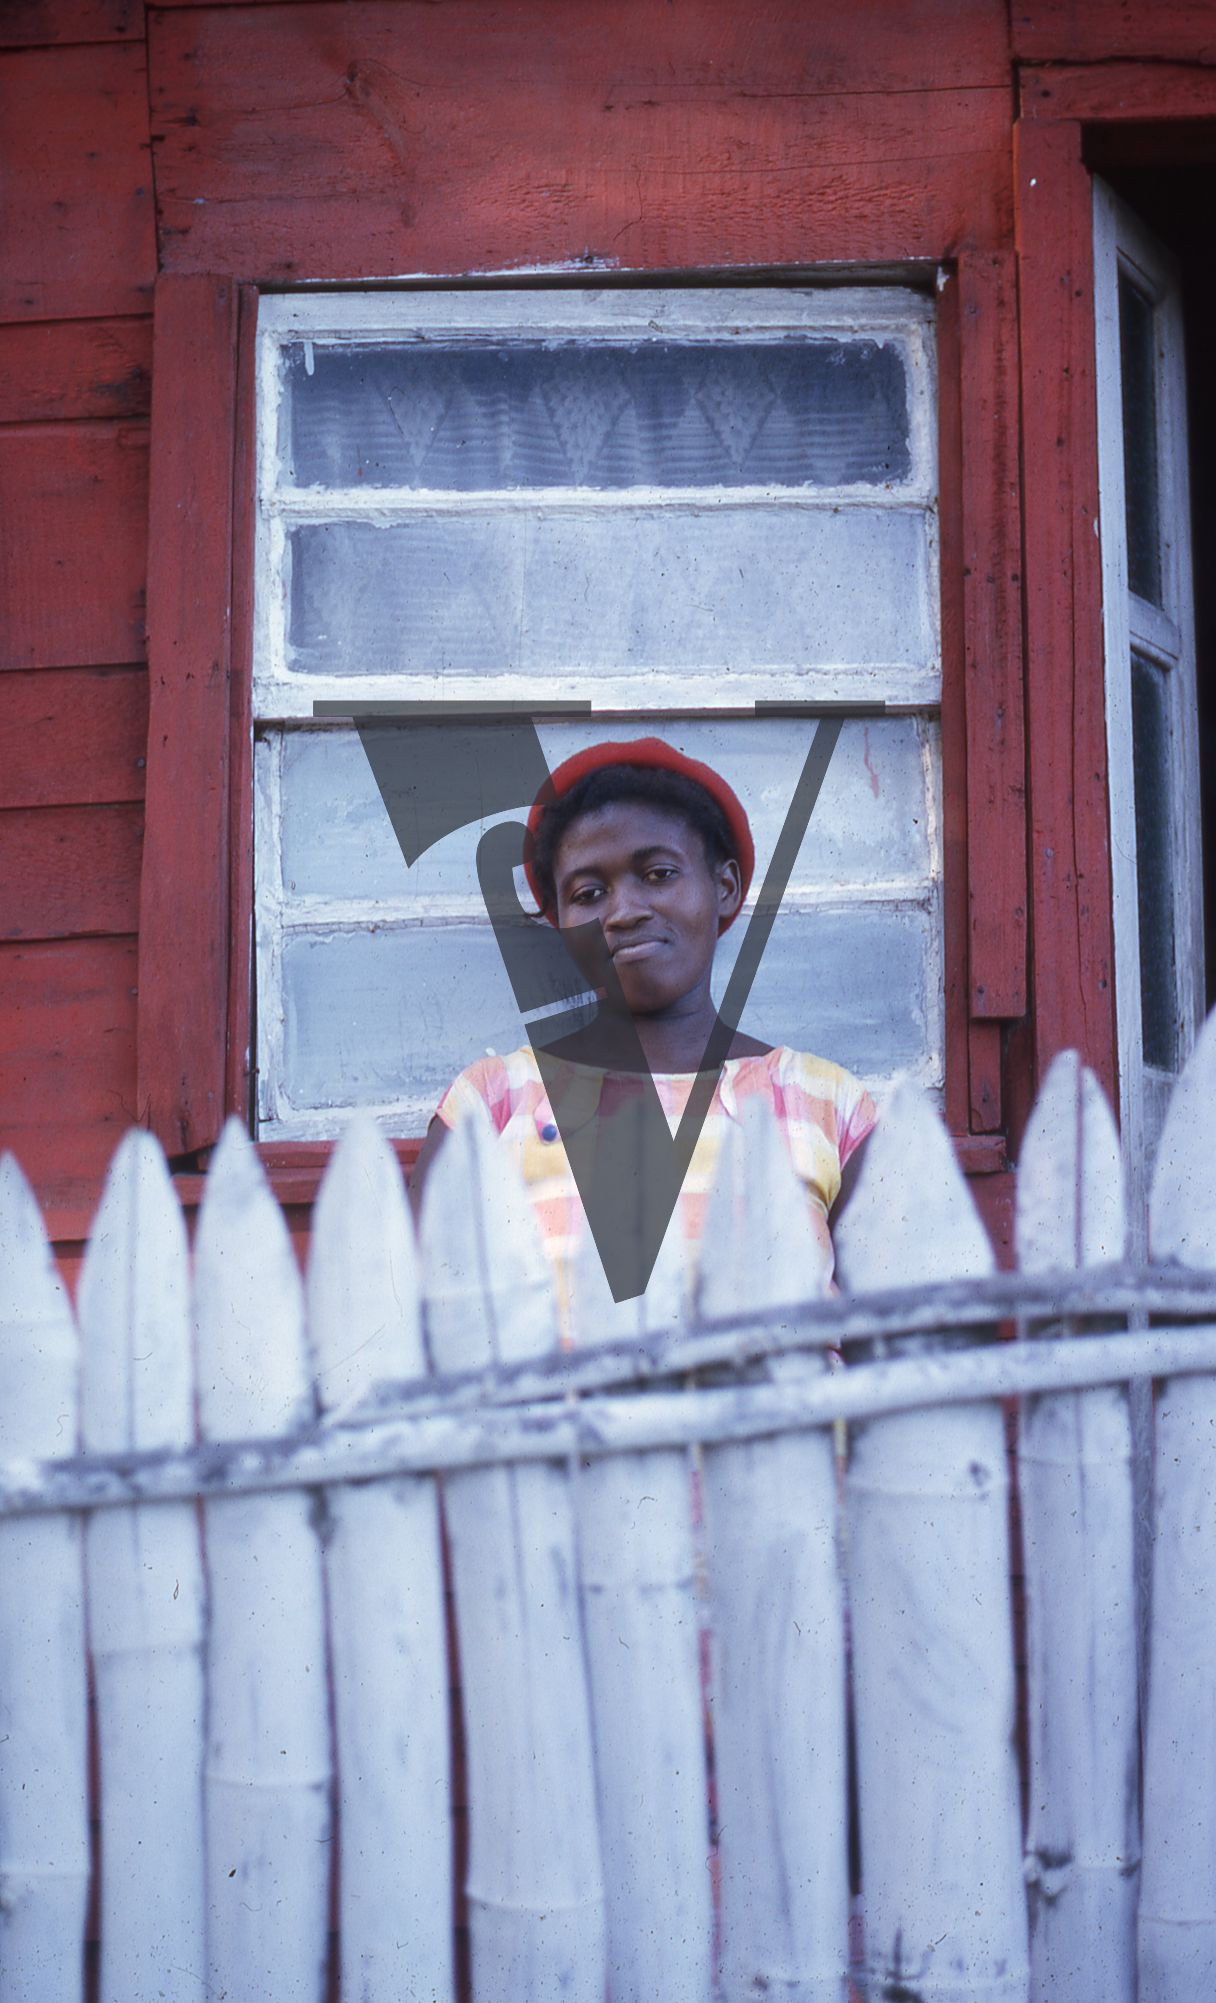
(813,1089)
(498,1085)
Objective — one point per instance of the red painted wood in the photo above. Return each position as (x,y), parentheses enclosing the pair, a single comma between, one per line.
(75,183)
(984,1052)
(995,1198)
(74,502)
(40,23)
(67,1055)
(1092,30)
(1073,987)
(75,368)
(73,737)
(903,42)
(184,913)
(69,871)
(238,1097)
(992,627)
(1124,92)
(953,721)
(302,141)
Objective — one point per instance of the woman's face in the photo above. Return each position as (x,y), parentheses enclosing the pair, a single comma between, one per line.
(642,872)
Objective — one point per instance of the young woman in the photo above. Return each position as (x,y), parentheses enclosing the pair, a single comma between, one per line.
(656,847)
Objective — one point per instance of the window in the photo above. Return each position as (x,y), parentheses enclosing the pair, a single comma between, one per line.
(1152,716)
(672,505)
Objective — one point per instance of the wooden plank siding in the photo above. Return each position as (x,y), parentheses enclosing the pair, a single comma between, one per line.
(73,737)
(43,23)
(74,500)
(300,142)
(75,368)
(75,188)
(1061,31)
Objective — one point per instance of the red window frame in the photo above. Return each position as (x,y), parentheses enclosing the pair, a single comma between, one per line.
(195,1011)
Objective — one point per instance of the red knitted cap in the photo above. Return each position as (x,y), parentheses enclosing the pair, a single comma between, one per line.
(657,756)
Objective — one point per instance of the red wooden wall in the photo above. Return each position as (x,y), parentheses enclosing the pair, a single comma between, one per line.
(376,139)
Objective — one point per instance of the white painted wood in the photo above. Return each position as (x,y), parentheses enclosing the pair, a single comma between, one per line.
(511,1433)
(932,1626)
(1165,633)
(777,1627)
(268,1765)
(145,1589)
(385,1598)
(44,1842)
(535,1891)
(642,1618)
(1074,1470)
(1177,1939)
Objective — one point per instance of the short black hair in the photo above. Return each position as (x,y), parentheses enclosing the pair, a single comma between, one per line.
(650,786)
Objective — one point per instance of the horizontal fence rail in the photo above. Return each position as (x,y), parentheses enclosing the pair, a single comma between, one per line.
(236,1498)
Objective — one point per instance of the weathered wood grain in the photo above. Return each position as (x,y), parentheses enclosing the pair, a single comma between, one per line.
(76,183)
(992,628)
(1072,1002)
(145,1589)
(1090,31)
(183,920)
(299,142)
(777,1627)
(267,1779)
(42,23)
(1177,1939)
(1121,93)
(73,737)
(67,1053)
(74,500)
(69,871)
(1074,1472)
(75,368)
(535,1887)
(385,1597)
(642,1618)
(932,1618)
(44,1837)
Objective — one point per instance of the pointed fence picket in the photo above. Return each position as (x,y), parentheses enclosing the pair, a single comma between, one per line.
(1074,1468)
(637,1565)
(779,1682)
(268,1766)
(145,1590)
(44,1837)
(945,1914)
(412,1381)
(1177,1938)
(535,1886)
(385,1596)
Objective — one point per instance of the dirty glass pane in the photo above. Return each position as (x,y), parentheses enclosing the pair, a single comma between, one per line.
(1137,362)
(1155,863)
(532,592)
(389,1017)
(565,414)
(871,824)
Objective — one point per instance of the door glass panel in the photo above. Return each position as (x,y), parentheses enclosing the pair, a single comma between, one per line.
(1151,767)
(1137,345)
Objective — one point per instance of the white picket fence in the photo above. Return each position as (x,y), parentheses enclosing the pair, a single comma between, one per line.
(270,1665)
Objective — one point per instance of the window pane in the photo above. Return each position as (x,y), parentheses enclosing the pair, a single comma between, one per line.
(1137,362)
(390,1016)
(492,593)
(1155,863)
(870,825)
(512,415)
